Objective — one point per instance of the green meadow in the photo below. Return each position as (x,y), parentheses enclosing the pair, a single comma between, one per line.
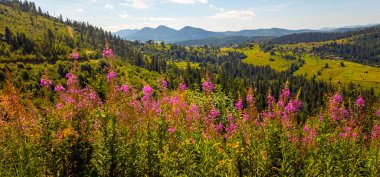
(363,75)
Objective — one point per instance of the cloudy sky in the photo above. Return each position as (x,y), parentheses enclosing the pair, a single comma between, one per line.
(216,15)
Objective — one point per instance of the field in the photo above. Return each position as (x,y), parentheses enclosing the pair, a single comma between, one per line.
(257,57)
(183,64)
(365,76)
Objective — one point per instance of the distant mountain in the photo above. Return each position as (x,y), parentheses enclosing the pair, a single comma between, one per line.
(169,35)
(194,35)
(126,32)
(266,32)
(222,41)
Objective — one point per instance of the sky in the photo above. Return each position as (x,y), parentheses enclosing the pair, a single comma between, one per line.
(216,15)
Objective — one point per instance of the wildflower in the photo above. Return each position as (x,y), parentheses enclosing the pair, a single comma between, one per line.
(207,86)
(147,90)
(74,56)
(59,88)
(182,86)
(108,54)
(378,113)
(45,82)
(124,88)
(164,83)
(360,102)
(171,130)
(285,94)
(337,98)
(71,79)
(214,113)
(239,104)
(111,75)
(270,100)
(219,127)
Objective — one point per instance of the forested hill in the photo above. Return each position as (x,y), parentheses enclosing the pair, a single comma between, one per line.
(324,36)
(361,46)
(28,33)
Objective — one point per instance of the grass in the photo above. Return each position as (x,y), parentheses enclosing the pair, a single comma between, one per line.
(309,45)
(32,25)
(258,57)
(365,76)
(183,64)
(362,75)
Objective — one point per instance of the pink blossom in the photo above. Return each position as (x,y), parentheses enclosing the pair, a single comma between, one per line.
(108,54)
(378,113)
(285,94)
(360,102)
(219,127)
(124,88)
(74,56)
(71,79)
(111,75)
(182,86)
(207,86)
(59,88)
(171,130)
(239,104)
(45,82)
(147,90)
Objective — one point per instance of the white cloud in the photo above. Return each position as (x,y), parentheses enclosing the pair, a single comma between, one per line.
(125,15)
(138,4)
(80,10)
(234,14)
(109,7)
(189,1)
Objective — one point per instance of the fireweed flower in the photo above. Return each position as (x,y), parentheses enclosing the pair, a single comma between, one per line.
(124,88)
(378,113)
(360,102)
(207,86)
(59,88)
(71,79)
(45,82)
(164,83)
(147,90)
(182,86)
(171,130)
(108,54)
(219,127)
(270,100)
(239,104)
(285,93)
(111,75)
(74,56)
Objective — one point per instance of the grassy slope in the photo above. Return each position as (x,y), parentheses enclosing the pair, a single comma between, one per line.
(33,26)
(365,76)
(257,57)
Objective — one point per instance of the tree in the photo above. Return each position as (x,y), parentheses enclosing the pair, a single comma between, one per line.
(8,35)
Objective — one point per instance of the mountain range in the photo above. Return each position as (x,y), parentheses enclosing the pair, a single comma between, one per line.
(170,35)
(188,33)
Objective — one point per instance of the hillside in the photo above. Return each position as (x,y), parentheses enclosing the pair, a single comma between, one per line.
(29,34)
(361,45)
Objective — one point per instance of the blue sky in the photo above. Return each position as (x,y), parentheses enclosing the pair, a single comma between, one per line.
(216,15)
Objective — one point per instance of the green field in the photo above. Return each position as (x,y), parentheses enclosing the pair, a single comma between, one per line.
(257,57)
(363,75)
(183,64)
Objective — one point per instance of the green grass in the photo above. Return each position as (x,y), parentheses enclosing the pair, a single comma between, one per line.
(365,76)
(183,64)
(260,58)
(32,25)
